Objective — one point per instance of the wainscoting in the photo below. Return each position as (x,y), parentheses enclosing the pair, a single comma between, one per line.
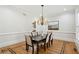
(13,38)
(66,36)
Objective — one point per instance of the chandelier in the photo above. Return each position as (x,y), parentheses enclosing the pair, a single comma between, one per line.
(41,20)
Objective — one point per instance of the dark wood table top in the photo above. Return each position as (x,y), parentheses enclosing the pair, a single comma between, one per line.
(39,37)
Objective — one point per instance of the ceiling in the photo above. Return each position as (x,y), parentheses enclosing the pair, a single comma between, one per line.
(49,10)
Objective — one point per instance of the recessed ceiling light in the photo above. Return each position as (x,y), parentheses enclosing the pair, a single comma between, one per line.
(65,9)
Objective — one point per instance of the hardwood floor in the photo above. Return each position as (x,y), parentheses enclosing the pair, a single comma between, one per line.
(58,47)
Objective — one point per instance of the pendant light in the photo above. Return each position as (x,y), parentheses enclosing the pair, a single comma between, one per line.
(42,19)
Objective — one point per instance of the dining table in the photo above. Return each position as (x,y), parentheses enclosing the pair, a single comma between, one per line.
(38,39)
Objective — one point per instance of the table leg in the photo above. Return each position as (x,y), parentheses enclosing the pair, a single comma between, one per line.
(37,48)
(44,46)
(49,42)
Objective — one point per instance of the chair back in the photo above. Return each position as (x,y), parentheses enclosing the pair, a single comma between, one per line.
(47,38)
(51,37)
(34,33)
(44,33)
(28,40)
(39,32)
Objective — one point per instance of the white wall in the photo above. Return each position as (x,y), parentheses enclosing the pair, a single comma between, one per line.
(66,26)
(77,28)
(12,21)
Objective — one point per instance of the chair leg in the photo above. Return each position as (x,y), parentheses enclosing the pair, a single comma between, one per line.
(51,42)
(41,45)
(44,46)
(37,48)
(47,45)
(27,47)
(33,50)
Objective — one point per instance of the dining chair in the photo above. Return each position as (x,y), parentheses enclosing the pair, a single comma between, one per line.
(34,33)
(51,39)
(46,41)
(29,43)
